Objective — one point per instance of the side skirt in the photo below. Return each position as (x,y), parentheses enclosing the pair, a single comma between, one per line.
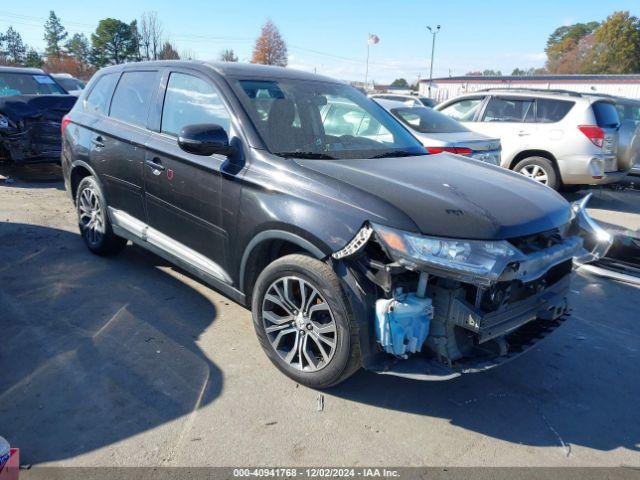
(126,226)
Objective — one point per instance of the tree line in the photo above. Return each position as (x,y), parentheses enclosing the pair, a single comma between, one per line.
(608,47)
(114,42)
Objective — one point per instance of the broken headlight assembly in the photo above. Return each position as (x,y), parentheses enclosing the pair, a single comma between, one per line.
(474,261)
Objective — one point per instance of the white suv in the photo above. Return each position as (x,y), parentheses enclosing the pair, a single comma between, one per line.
(555,137)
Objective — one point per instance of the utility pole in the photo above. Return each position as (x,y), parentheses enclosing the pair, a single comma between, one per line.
(434,32)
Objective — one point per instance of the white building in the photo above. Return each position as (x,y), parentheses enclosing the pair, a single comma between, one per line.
(620,85)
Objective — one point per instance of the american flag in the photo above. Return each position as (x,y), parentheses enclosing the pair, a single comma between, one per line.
(373,39)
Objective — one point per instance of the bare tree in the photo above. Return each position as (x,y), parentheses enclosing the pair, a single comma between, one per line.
(228,55)
(155,29)
(151,33)
(188,54)
(145,36)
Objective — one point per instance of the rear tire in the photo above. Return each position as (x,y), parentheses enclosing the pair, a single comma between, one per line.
(540,169)
(300,300)
(93,219)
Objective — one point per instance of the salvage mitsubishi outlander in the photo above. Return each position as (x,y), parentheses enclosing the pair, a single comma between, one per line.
(299,197)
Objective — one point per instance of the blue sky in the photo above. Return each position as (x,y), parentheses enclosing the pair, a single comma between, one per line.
(331,35)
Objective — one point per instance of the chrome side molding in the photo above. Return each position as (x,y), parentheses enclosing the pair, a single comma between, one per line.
(146,234)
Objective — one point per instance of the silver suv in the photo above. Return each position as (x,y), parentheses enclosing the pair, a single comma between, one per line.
(558,138)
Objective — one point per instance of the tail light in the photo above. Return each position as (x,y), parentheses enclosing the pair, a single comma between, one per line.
(63,125)
(457,150)
(593,133)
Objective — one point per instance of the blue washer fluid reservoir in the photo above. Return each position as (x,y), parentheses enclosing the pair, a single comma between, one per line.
(402,323)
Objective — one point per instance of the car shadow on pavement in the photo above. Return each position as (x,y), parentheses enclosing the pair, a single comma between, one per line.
(94,350)
(39,175)
(579,387)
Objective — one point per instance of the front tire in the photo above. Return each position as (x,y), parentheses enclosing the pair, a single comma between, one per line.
(93,220)
(539,169)
(303,321)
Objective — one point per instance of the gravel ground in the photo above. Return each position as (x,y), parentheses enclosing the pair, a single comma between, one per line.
(127,361)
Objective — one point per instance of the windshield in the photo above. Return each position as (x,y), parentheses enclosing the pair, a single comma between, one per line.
(309,119)
(70,83)
(28,84)
(426,120)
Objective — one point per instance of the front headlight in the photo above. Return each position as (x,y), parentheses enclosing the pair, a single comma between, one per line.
(475,261)
(4,122)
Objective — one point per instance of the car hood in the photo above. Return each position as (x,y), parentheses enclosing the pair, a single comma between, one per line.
(453,196)
(47,107)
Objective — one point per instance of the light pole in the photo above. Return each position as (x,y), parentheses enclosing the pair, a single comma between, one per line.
(434,32)
(371,40)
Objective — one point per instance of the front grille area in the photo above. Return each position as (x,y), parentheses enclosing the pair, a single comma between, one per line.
(538,241)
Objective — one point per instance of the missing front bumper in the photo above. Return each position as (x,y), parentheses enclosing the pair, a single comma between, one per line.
(424,367)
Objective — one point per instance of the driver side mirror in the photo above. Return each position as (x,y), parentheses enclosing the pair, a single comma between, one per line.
(205,139)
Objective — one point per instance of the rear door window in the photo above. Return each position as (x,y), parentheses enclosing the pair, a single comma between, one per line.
(551,111)
(464,110)
(514,110)
(100,95)
(132,97)
(606,114)
(190,100)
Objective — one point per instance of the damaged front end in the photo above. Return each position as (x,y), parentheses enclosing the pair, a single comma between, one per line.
(30,127)
(450,306)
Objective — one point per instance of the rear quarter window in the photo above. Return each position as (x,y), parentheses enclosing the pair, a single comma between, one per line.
(551,111)
(100,95)
(427,120)
(132,97)
(606,114)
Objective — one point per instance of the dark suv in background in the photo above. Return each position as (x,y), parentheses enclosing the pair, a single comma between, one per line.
(350,250)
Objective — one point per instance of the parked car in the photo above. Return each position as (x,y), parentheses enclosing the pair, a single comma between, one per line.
(70,83)
(32,105)
(351,252)
(557,138)
(440,133)
(419,99)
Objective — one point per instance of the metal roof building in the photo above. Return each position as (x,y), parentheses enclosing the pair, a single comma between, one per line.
(449,87)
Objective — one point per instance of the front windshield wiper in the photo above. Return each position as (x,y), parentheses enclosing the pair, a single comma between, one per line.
(310,155)
(398,153)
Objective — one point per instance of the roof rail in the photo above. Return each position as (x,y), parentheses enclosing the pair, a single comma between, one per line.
(538,90)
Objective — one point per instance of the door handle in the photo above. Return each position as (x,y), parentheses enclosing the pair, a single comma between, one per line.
(523,133)
(97,142)
(156,165)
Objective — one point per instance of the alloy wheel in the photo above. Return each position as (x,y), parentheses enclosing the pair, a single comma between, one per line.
(91,216)
(535,172)
(299,324)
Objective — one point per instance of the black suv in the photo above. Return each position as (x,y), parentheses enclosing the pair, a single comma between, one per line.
(351,245)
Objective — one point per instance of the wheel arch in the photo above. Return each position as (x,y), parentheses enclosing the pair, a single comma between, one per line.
(78,171)
(267,246)
(534,153)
